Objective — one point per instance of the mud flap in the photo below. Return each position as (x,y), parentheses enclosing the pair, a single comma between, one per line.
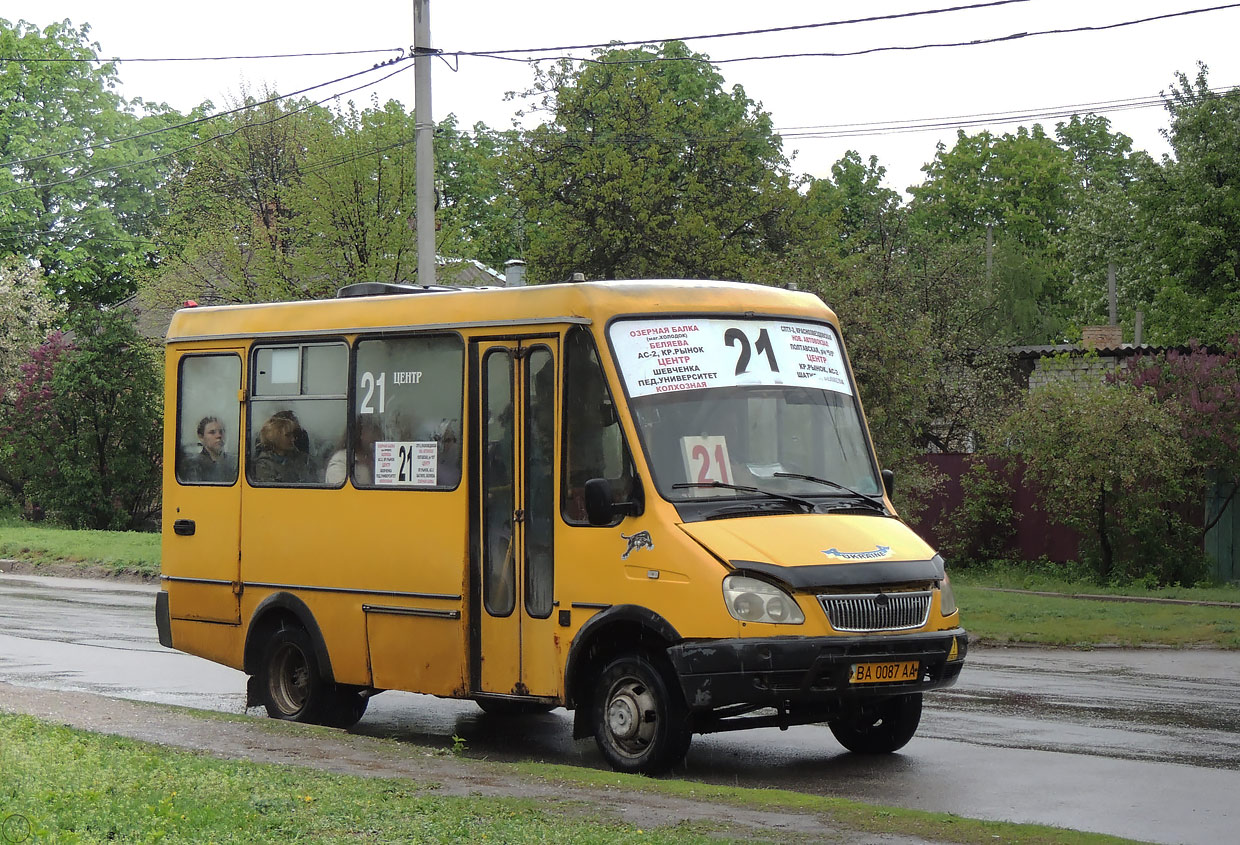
(253,696)
(581,723)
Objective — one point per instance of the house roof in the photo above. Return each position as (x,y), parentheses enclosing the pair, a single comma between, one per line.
(1127,350)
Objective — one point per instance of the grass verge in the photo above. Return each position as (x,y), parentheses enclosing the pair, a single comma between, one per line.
(63,785)
(1010,617)
(112,552)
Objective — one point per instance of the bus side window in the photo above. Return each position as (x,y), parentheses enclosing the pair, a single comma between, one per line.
(208,440)
(407,397)
(297,412)
(594,445)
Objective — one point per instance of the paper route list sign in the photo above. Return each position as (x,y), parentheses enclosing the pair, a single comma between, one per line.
(667,355)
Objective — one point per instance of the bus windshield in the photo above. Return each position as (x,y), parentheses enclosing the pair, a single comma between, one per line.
(764,404)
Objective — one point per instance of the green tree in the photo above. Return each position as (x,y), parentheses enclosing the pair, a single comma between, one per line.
(1189,206)
(292,201)
(1016,187)
(84,433)
(647,167)
(1103,227)
(352,201)
(232,231)
(78,189)
(853,206)
(1111,464)
(479,215)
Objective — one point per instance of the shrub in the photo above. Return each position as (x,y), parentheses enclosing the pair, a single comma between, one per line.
(1112,465)
(982,527)
(83,434)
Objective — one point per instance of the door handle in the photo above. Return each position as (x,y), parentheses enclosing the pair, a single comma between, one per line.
(184,527)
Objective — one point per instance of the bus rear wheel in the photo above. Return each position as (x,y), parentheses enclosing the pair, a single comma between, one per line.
(879,727)
(289,679)
(640,720)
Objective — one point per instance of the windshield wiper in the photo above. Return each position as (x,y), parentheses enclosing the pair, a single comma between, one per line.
(809,506)
(865,497)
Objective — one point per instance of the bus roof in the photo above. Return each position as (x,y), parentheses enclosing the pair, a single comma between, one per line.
(570,302)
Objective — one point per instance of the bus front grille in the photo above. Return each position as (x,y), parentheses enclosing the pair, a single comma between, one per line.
(861,612)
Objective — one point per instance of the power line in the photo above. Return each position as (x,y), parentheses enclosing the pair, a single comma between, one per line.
(125,165)
(767,31)
(842,130)
(98,60)
(1016,36)
(201,120)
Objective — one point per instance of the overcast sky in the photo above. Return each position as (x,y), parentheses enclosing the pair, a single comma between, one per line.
(1030,74)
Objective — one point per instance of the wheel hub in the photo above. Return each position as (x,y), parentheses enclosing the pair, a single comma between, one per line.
(622,717)
(631,720)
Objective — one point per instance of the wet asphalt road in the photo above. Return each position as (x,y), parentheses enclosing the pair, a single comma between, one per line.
(1138,743)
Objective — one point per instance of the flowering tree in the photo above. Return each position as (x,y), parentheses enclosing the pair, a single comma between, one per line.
(27,313)
(81,439)
(1201,389)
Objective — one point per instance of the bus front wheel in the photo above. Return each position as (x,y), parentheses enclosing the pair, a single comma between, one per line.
(879,727)
(292,687)
(639,718)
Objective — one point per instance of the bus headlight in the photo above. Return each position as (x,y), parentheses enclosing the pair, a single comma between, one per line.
(751,600)
(947,598)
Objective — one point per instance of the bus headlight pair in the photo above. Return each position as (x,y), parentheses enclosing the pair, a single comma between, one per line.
(751,600)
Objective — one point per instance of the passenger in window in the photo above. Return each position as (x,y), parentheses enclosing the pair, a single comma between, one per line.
(368,434)
(279,458)
(448,472)
(211,464)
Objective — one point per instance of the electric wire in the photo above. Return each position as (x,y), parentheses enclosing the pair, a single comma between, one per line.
(747,32)
(201,120)
(1015,36)
(125,165)
(500,54)
(117,60)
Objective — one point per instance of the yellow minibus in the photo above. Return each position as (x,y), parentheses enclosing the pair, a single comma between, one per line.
(654,503)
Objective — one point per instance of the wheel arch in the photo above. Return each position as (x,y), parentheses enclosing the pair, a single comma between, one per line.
(277,608)
(619,628)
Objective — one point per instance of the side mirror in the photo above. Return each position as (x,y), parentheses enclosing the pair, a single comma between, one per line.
(601,510)
(889,481)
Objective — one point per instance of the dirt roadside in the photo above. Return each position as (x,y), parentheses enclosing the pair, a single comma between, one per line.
(263,741)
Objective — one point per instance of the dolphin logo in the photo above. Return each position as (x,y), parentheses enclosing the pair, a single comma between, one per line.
(877,553)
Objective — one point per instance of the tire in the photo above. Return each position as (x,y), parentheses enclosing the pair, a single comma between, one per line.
(879,727)
(290,682)
(346,707)
(639,717)
(510,707)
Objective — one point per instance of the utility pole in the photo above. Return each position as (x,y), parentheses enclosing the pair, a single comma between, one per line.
(990,250)
(1111,299)
(424,135)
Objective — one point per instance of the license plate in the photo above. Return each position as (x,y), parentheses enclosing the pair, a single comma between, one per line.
(885,673)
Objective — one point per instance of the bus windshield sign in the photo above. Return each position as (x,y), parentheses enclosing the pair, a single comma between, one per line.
(671,355)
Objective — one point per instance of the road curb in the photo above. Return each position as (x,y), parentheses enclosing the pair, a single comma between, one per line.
(1105,597)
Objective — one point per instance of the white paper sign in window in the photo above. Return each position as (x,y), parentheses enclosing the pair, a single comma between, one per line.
(406,463)
(706,460)
(669,355)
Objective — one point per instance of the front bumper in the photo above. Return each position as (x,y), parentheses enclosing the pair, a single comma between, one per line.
(809,671)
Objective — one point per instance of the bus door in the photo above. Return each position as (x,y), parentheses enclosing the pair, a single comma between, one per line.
(514,650)
(202,533)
